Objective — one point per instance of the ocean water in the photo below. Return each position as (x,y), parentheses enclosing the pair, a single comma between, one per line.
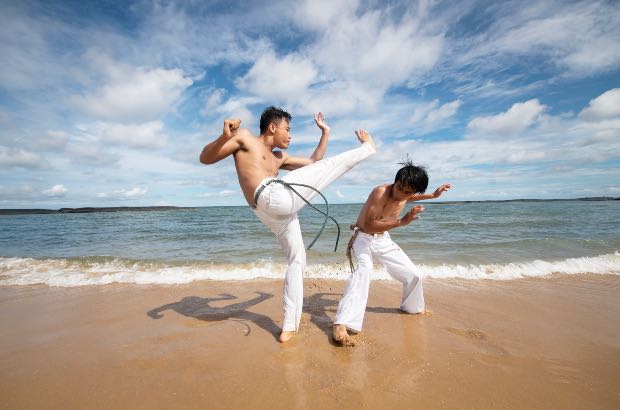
(484,240)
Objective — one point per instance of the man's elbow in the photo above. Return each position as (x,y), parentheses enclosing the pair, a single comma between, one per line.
(205,160)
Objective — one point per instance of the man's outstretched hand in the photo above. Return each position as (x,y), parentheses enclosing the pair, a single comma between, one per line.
(320,122)
(441,190)
(411,214)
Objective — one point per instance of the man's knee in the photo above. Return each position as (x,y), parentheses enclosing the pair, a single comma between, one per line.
(413,279)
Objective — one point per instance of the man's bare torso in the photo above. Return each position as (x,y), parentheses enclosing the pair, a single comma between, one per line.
(385,207)
(255,162)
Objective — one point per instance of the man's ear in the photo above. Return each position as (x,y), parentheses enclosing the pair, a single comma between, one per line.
(272,128)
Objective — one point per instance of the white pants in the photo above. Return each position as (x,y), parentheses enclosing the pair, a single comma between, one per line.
(277,208)
(383,250)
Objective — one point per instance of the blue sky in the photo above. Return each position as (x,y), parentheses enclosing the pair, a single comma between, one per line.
(109,103)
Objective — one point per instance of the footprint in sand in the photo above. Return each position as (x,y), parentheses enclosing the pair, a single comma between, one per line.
(480,339)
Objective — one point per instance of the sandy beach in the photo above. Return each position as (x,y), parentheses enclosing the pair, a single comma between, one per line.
(531,343)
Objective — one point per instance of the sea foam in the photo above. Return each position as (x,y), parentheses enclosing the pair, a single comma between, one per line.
(91,271)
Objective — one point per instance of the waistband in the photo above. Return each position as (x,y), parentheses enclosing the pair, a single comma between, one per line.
(260,188)
(357,230)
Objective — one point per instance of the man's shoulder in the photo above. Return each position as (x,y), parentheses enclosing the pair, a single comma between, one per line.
(246,139)
(378,193)
(380,189)
(244,133)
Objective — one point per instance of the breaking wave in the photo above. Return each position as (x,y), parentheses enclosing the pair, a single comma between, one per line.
(103,271)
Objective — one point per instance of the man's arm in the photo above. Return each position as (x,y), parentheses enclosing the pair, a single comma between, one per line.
(374,223)
(436,194)
(292,163)
(224,145)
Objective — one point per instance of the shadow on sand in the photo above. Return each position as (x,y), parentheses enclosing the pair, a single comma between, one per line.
(199,308)
(316,305)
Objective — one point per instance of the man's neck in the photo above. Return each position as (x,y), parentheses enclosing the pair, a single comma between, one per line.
(266,140)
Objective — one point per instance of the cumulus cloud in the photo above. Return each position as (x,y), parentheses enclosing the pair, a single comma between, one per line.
(377,48)
(605,106)
(278,78)
(56,191)
(354,56)
(124,194)
(131,94)
(509,123)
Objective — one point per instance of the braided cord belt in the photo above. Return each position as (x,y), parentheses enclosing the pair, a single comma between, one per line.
(290,185)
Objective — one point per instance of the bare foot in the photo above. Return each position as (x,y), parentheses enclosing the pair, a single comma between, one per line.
(285,336)
(342,337)
(425,312)
(364,136)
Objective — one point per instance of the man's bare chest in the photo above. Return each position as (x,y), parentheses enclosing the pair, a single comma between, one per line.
(391,209)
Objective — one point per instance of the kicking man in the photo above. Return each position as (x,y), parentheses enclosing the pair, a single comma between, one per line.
(257,162)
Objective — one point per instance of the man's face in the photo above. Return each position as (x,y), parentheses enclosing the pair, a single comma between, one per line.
(282,134)
(402,192)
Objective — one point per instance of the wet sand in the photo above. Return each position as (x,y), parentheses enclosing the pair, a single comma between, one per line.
(534,343)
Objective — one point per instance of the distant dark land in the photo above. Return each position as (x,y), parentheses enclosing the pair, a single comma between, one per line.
(92,209)
(175,208)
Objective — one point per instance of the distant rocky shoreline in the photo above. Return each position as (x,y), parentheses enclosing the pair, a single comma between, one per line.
(92,210)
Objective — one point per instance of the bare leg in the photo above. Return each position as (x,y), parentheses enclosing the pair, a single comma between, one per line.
(341,336)
(322,173)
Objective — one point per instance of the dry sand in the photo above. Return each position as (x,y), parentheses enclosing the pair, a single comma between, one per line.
(534,343)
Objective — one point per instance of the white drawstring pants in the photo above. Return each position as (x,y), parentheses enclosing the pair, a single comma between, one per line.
(277,208)
(384,251)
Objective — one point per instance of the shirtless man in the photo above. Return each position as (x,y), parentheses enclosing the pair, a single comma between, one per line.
(273,203)
(371,240)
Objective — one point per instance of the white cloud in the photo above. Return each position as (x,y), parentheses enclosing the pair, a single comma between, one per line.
(131,94)
(133,193)
(605,106)
(431,116)
(377,49)
(54,140)
(322,14)
(580,38)
(509,123)
(340,98)
(145,135)
(213,101)
(221,194)
(273,78)
(19,158)
(124,194)
(55,191)
(91,153)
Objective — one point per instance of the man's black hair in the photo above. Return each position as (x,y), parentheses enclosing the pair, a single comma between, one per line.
(412,176)
(273,114)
